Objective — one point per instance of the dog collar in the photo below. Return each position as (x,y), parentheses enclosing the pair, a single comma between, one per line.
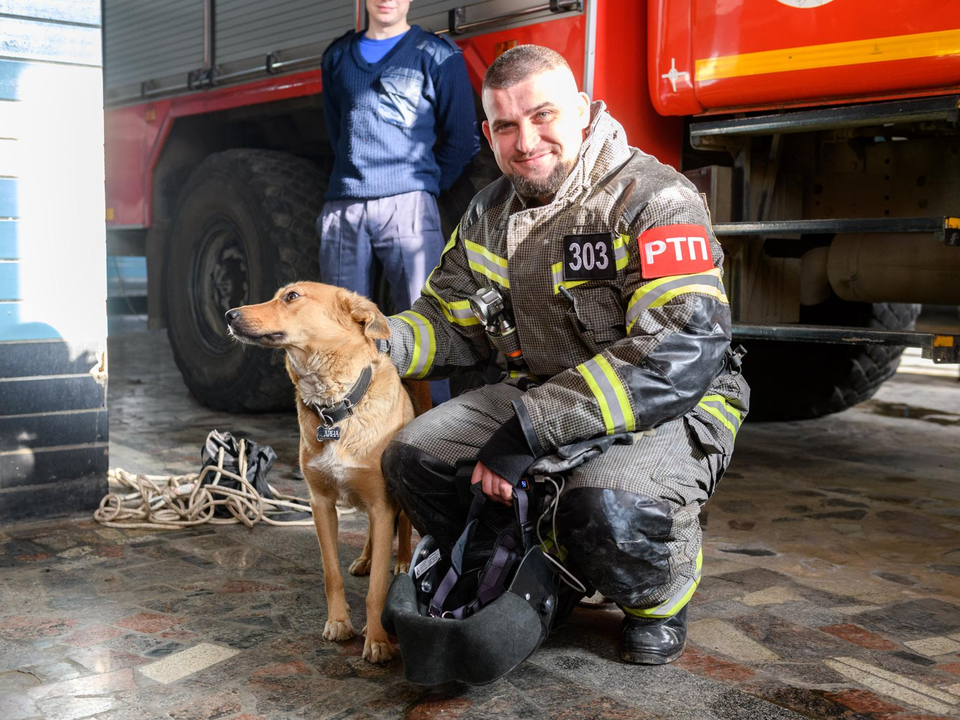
(332,415)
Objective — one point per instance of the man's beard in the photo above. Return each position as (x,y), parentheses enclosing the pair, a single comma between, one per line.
(530,189)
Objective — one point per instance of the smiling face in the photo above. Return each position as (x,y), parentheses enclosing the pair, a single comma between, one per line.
(535,129)
(387,14)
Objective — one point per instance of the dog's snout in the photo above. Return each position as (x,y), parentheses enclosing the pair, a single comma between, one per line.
(232,315)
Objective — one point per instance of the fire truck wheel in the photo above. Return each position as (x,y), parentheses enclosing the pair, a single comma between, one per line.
(244,226)
(796,381)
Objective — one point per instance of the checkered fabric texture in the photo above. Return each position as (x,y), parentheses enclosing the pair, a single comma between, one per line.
(667,463)
(598,360)
(612,189)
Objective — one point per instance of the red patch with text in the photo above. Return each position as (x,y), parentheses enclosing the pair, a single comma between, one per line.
(675,250)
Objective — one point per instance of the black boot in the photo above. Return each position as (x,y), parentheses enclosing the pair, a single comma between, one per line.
(653,642)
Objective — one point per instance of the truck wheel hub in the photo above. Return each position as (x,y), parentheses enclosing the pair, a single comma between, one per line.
(222,281)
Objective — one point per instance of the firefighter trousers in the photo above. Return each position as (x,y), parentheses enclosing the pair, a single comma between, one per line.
(627,522)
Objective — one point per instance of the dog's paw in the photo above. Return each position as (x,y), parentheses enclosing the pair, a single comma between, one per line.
(360,566)
(401,567)
(377,651)
(338,630)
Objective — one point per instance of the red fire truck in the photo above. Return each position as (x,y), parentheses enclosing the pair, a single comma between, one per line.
(824,134)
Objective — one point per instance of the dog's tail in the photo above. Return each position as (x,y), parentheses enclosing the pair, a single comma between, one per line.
(419,392)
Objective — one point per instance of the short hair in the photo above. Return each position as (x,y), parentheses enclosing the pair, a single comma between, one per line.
(521,63)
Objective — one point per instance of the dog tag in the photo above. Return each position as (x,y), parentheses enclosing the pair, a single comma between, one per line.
(422,567)
(328,433)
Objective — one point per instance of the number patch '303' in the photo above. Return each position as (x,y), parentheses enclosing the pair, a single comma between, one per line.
(589,257)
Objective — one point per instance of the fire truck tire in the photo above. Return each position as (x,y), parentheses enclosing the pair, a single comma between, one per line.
(797,381)
(244,226)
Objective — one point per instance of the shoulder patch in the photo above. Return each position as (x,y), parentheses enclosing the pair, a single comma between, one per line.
(449,41)
(674,250)
(342,40)
(439,47)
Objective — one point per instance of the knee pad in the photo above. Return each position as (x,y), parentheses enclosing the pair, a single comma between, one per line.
(618,539)
(393,465)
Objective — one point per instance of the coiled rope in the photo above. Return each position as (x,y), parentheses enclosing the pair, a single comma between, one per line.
(171,502)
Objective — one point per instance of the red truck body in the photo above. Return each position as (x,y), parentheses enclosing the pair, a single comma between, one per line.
(726,56)
(812,113)
(757,54)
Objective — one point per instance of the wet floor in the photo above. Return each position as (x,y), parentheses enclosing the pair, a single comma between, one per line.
(831,588)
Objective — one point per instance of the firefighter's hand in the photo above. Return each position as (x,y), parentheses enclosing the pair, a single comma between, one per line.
(493,486)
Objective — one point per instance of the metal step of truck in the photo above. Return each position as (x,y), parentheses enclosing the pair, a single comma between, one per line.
(936,346)
(945,229)
(942,108)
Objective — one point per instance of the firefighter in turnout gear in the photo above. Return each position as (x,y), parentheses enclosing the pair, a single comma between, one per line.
(610,277)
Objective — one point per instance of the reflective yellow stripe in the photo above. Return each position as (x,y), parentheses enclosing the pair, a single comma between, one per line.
(621,245)
(416,345)
(549,542)
(722,410)
(856,52)
(486,263)
(450,243)
(556,271)
(457,312)
(601,399)
(674,604)
(629,422)
(660,291)
(610,394)
(424,344)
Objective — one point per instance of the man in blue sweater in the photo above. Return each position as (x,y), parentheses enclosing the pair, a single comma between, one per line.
(400,116)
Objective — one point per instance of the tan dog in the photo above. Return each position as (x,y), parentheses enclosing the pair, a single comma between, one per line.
(330,337)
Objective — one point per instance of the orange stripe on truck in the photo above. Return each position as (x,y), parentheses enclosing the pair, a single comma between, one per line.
(856,52)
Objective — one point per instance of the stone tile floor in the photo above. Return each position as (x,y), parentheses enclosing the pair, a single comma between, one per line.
(831,588)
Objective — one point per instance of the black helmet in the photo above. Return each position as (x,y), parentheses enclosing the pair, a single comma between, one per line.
(473,625)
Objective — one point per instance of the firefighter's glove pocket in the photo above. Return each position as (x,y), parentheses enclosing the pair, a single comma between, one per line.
(595,315)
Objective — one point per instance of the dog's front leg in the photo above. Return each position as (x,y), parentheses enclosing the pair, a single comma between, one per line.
(376,648)
(338,625)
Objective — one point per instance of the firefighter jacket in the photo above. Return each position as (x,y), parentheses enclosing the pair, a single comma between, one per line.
(626,347)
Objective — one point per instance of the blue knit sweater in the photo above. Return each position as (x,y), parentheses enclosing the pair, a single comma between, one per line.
(404,123)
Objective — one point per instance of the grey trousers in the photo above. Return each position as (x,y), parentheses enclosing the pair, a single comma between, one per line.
(401,231)
(627,520)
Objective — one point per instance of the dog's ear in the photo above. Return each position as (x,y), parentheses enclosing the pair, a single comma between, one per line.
(367,314)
